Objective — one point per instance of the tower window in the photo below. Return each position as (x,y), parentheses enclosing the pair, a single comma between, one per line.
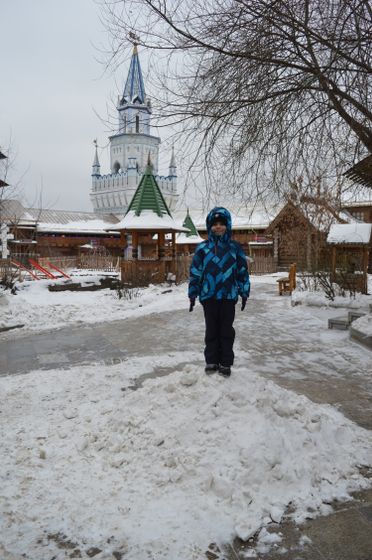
(116,167)
(137,123)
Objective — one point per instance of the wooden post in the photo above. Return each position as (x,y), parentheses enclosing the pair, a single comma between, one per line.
(134,245)
(123,240)
(174,254)
(161,245)
(333,264)
(173,245)
(365,269)
(276,247)
(309,263)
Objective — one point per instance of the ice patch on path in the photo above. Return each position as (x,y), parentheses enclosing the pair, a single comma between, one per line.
(185,460)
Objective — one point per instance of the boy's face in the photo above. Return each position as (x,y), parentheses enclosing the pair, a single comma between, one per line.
(218,228)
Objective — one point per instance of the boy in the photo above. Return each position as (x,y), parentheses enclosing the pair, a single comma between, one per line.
(218,276)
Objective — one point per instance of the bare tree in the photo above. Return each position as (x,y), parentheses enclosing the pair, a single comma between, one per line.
(279,88)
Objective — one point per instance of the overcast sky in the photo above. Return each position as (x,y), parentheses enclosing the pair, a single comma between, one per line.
(52,86)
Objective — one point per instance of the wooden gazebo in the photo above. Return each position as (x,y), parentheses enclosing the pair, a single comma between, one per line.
(147,258)
(350,253)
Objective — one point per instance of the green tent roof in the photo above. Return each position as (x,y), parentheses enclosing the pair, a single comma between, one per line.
(148,196)
(189,224)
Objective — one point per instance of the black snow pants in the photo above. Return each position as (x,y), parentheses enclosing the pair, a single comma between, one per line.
(219,315)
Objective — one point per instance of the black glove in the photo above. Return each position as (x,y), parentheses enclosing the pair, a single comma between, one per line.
(244,301)
(192,303)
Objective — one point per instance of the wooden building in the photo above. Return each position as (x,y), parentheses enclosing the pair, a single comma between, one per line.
(299,234)
(148,256)
(57,233)
(350,247)
(361,210)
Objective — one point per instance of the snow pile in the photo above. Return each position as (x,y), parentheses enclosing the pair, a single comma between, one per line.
(319,299)
(364,325)
(38,309)
(181,462)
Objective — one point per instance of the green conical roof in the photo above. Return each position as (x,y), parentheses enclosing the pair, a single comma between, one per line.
(189,224)
(148,196)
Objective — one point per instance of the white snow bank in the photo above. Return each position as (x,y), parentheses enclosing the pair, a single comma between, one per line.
(38,309)
(318,299)
(364,324)
(184,461)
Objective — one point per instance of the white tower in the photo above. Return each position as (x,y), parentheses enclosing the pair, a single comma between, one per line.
(130,148)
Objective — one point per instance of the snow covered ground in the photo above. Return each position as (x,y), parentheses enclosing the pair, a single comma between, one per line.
(38,309)
(162,468)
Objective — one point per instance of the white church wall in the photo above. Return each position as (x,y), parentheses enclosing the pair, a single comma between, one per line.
(129,152)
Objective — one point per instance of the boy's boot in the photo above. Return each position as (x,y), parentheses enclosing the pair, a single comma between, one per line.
(225,371)
(211,368)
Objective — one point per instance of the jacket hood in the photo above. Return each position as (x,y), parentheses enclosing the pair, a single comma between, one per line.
(212,214)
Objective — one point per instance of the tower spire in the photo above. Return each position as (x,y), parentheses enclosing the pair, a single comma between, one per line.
(134,90)
(96,168)
(172,165)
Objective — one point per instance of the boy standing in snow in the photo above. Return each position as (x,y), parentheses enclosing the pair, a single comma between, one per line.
(218,276)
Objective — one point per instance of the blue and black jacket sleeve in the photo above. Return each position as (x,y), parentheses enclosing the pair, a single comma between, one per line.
(244,284)
(196,271)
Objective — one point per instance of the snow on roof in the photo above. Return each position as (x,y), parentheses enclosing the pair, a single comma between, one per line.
(148,220)
(357,203)
(242,218)
(13,211)
(83,226)
(68,216)
(183,239)
(350,233)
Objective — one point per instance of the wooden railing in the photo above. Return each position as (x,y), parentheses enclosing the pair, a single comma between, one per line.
(99,262)
(90,262)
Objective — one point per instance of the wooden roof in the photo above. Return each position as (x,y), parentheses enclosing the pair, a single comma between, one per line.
(148,196)
(361,172)
(189,224)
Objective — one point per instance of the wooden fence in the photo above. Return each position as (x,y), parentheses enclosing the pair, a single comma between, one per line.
(90,262)
(183,263)
(5,267)
(262,265)
(106,263)
(138,273)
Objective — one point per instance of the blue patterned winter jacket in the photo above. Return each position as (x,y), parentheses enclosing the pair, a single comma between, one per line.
(219,266)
